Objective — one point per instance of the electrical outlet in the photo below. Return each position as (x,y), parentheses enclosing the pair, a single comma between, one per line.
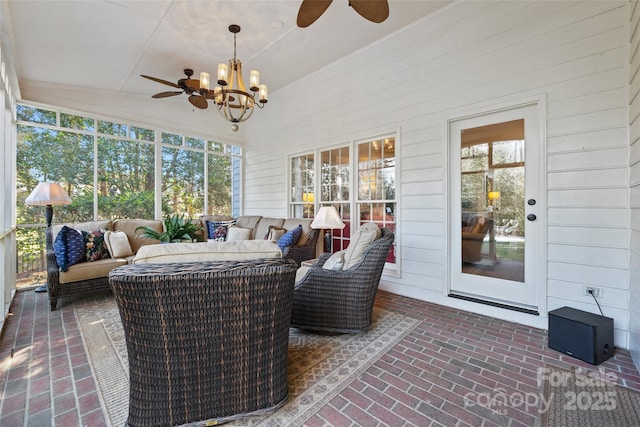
(590,290)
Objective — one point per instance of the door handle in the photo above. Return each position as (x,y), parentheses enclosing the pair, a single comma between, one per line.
(531,217)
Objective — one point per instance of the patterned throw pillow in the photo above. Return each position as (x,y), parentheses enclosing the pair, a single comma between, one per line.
(217,230)
(94,245)
(290,237)
(69,248)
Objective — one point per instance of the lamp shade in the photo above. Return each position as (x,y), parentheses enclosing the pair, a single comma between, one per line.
(327,217)
(48,194)
(494,195)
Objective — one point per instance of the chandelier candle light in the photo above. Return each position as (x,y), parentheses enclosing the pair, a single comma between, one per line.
(234,102)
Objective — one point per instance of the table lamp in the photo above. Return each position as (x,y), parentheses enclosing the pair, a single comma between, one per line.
(328,218)
(47,194)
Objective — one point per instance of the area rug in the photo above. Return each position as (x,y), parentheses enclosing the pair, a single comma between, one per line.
(320,366)
(583,398)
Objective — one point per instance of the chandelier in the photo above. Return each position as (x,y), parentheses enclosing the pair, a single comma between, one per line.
(234,103)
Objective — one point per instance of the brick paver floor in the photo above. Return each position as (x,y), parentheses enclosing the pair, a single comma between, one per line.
(444,373)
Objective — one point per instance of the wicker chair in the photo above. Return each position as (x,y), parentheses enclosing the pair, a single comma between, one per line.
(300,253)
(205,340)
(341,300)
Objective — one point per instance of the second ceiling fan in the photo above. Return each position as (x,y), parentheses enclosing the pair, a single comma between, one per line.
(373,10)
(189,86)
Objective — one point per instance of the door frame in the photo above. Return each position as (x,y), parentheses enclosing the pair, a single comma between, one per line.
(540,102)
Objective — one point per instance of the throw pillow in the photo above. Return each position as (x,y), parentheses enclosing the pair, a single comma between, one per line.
(69,248)
(217,230)
(290,237)
(237,233)
(118,244)
(94,245)
(366,234)
(274,233)
(335,261)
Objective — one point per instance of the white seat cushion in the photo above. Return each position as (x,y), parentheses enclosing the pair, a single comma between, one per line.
(365,235)
(207,251)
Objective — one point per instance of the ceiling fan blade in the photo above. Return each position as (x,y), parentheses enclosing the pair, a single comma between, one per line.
(373,10)
(198,101)
(166,94)
(164,82)
(192,83)
(310,11)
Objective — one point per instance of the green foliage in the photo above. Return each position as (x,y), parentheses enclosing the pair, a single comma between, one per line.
(510,250)
(177,228)
(57,146)
(183,180)
(126,205)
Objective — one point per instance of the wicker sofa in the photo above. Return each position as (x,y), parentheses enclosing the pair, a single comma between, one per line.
(258,227)
(206,341)
(90,277)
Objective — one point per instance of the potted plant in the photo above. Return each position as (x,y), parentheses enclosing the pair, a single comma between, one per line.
(177,228)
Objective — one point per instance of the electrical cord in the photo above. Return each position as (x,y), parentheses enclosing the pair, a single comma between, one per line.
(596,300)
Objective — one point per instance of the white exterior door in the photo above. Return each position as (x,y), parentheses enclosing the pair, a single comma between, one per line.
(497,209)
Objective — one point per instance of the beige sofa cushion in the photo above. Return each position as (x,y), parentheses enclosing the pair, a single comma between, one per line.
(90,270)
(136,240)
(292,223)
(365,235)
(264,224)
(118,244)
(208,251)
(251,222)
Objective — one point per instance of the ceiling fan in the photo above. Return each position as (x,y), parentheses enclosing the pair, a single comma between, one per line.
(189,86)
(373,10)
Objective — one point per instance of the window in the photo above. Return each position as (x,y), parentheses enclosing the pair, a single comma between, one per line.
(109,171)
(59,146)
(369,197)
(335,191)
(377,185)
(302,187)
(46,154)
(125,179)
(125,170)
(182,176)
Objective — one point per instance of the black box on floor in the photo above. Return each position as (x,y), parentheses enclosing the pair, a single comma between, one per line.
(583,335)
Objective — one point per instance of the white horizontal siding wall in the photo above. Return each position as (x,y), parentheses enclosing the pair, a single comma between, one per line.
(469,56)
(634,181)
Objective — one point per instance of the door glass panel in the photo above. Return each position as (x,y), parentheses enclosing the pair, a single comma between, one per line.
(492,200)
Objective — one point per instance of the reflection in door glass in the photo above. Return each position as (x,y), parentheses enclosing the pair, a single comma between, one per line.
(492,200)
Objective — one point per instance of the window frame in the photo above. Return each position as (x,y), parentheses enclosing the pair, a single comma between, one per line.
(392,270)
(210,146)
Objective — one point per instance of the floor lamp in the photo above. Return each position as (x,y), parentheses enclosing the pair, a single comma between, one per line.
(47,194)
(328,218)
